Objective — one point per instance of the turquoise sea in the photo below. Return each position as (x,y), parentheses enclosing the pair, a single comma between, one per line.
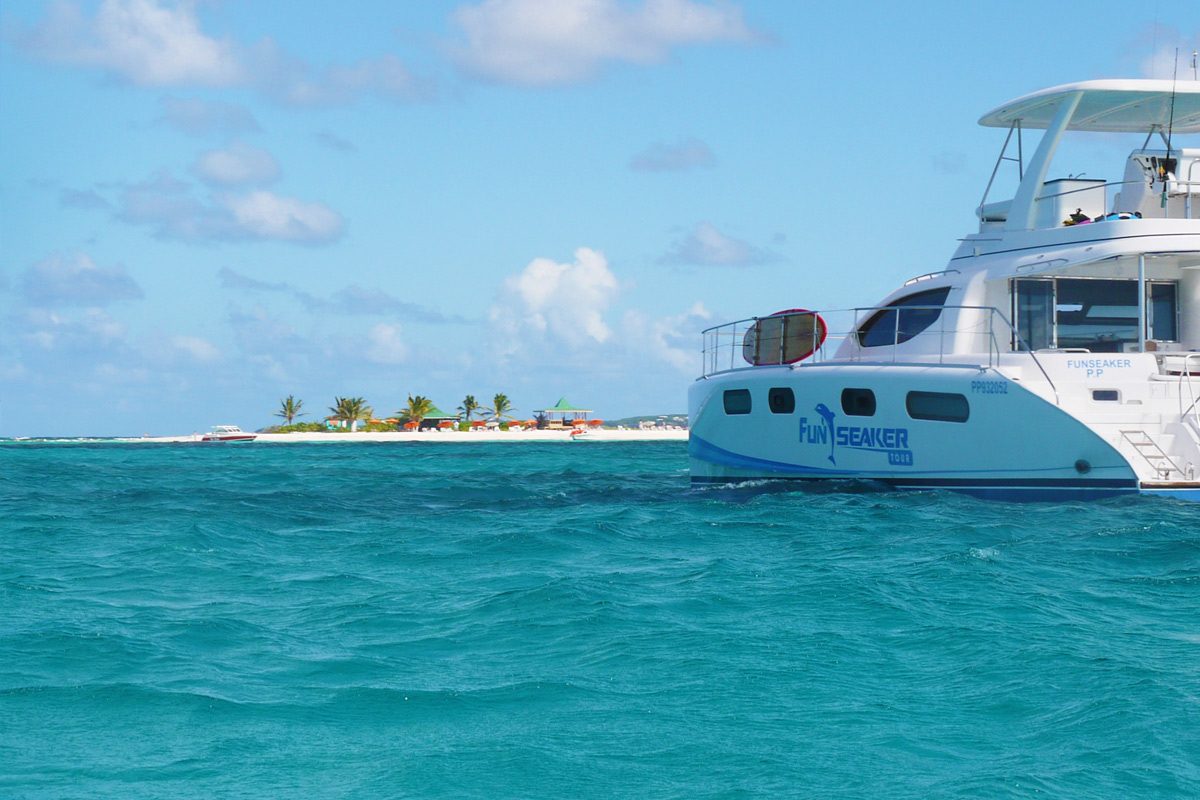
(573,620)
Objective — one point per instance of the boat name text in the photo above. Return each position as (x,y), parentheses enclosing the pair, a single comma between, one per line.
(1094,367)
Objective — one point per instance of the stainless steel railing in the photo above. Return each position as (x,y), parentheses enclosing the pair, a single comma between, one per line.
(975,335)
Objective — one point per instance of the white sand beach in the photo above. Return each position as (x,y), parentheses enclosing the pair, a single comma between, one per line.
(453,437)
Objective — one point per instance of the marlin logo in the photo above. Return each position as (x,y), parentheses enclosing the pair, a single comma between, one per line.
(828,416)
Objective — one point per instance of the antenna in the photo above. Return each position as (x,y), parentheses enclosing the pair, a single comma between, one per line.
(1171,119)
(1167,165)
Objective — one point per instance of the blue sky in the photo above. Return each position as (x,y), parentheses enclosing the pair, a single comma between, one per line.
(207,206)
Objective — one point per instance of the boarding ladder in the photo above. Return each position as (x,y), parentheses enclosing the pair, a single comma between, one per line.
(1153,454)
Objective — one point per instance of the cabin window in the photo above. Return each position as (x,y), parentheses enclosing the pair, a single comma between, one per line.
(1106,395)
(737,401)
(1097,315)
(937,406)
(1034,312)
(781,400)
(897,322)
(1163,310)
(858,402)
(1100,316)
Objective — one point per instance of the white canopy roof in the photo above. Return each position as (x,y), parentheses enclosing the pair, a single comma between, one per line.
(1113,106)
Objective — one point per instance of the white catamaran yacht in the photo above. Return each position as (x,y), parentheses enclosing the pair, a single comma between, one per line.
(1056,356)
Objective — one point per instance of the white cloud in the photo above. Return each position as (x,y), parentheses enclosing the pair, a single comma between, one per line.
(266,215)
(237,164)
(196,347)
(558,303)
(384,345)
(84,333)
(140,40)
(158,43)
(707,246)
(683,155)
(168,205)
(77,281)
(1165,43)
(672,339)
(534,43)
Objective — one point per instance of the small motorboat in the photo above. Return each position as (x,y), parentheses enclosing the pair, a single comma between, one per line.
(228,433)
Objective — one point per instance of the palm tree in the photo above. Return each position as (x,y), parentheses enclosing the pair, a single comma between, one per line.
(469,406)
(500,407)
(416,409)
(351,409)
(289,409)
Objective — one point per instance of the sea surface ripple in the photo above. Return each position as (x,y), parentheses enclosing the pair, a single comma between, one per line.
(573,620)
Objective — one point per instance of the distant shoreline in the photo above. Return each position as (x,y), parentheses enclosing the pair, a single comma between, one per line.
(442,437)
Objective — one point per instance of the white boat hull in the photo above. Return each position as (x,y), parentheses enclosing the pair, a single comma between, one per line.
(999,451)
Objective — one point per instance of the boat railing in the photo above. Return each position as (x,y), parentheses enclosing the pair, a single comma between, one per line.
(1191,369)
(976,335)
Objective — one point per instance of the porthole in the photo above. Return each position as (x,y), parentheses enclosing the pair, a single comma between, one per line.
(858,402)
(1106,395)
(781,400)
(937,406)
(737,401)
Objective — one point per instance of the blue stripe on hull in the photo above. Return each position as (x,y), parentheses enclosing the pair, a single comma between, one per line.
(1006,488)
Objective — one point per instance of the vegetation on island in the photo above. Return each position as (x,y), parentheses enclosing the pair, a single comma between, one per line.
(351,410)
(500,408)
(417,408)
(289,409)
(469,406)
(351,414)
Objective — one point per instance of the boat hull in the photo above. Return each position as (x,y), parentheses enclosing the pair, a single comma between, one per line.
(995,439)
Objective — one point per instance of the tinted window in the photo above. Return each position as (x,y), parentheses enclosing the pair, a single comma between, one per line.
(781,401)
(938,406)
(858,402)
(896,323)
(1162,312)
(737,401)
(1106,395)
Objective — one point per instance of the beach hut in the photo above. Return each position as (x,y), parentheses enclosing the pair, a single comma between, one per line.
(436,417)
(562,414)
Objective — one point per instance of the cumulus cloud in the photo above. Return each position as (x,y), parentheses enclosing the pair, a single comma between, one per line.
(153,43)
(265,215)
(534,43)
(671,339)
(683,155)
(563,303)
(384,345)
(138,40)
(76,280)
(237,164)
(195,347)
(169,206)
(707,246)
(206,118)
